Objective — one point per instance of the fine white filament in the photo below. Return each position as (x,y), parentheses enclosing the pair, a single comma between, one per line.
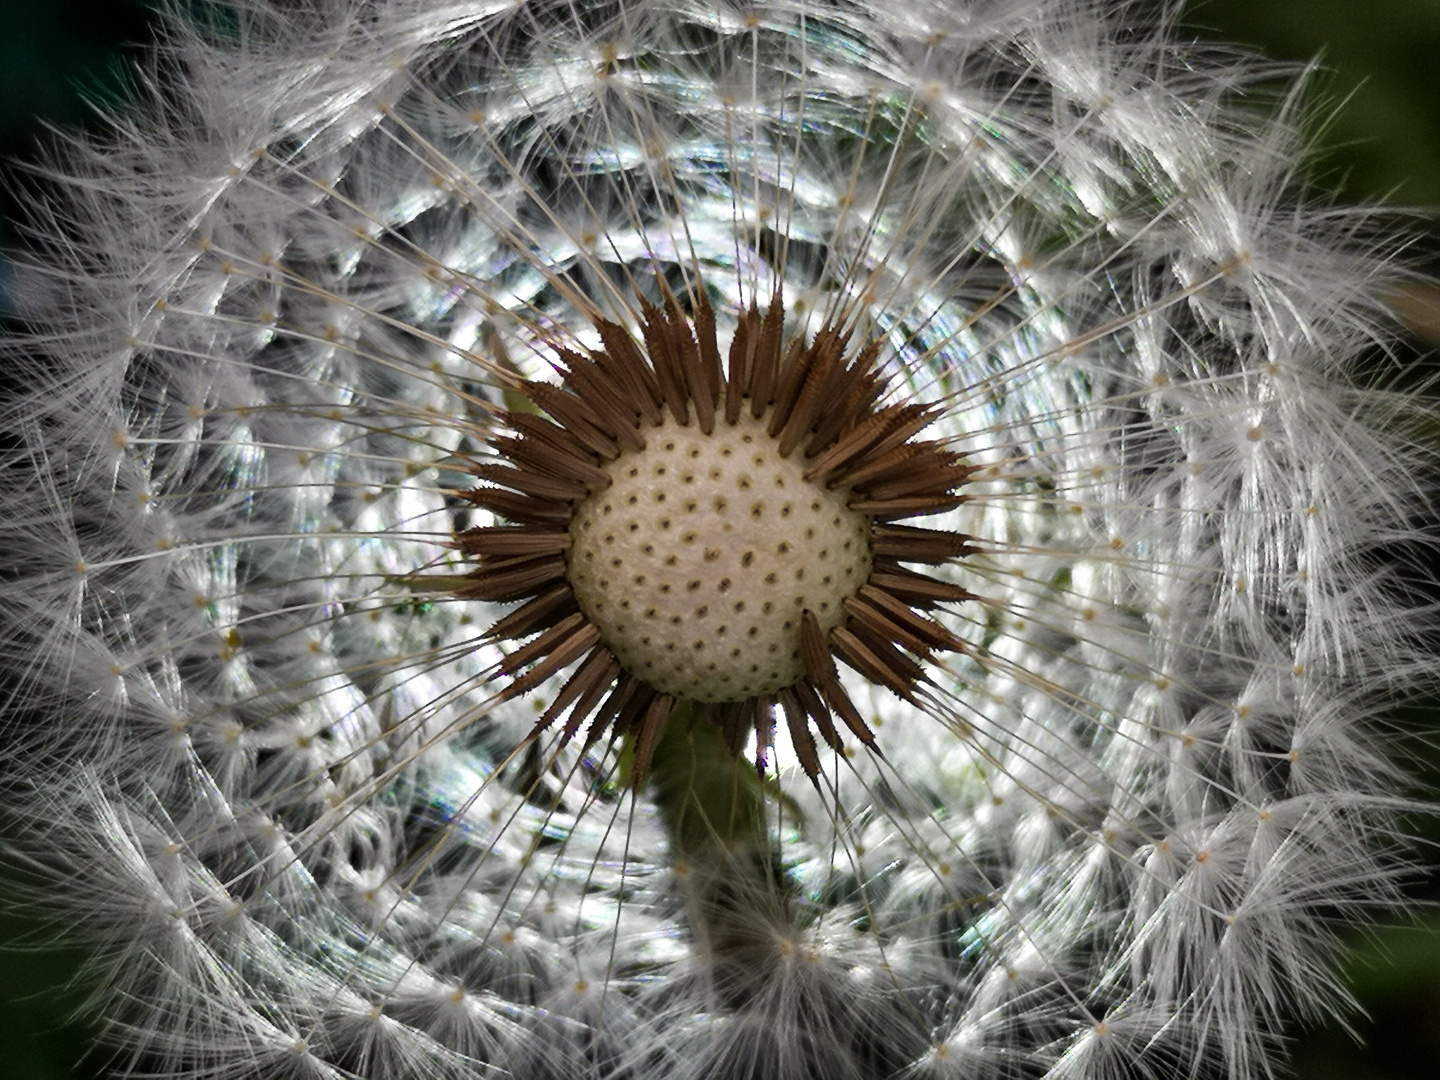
(257,742)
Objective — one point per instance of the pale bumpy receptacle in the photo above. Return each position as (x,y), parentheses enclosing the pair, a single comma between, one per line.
(697,561)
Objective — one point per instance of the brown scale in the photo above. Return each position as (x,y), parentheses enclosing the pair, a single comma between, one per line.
(821,400)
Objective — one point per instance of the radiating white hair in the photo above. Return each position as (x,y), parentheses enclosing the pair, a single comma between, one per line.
(263,767)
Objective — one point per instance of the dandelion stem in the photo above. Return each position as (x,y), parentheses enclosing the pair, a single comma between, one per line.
(712,802)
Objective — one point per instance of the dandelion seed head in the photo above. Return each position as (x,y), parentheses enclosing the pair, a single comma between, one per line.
(359,749)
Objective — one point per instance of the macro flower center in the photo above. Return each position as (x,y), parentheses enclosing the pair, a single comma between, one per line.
(714,532)
(698,561)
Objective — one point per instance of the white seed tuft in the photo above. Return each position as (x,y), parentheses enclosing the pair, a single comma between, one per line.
(304,278)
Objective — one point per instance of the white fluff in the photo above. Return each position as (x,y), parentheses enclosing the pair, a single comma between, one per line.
(261,767)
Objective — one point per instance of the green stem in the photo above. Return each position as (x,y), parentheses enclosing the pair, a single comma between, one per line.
(713,804)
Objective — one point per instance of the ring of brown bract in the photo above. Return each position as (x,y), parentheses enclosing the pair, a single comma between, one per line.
(822,402)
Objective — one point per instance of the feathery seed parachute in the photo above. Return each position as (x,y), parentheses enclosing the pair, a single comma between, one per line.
(655,539)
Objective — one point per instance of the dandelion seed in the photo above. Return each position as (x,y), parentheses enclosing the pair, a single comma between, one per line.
(647,539)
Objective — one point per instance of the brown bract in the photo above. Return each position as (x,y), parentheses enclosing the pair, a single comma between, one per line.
(820,400)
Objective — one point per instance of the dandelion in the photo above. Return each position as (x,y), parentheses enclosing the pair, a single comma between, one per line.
(659,539)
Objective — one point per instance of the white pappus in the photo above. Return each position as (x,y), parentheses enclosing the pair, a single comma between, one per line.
(343,756)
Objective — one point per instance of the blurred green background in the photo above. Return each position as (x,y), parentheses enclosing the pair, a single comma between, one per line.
(1377,121)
